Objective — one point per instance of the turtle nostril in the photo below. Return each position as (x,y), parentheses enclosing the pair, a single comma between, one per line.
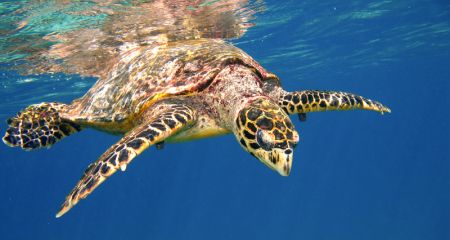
(288,151)
(292,144)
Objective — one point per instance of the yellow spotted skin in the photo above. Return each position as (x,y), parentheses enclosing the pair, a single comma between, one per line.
(314,101)
(38,126)
(169,121)
(266,132)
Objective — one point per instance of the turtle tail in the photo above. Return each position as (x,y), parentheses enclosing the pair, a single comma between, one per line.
(39,125)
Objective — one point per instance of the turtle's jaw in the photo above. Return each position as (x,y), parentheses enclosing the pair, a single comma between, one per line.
(279,160)
(285,160)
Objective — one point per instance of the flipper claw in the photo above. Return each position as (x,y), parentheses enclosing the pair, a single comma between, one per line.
(302,117)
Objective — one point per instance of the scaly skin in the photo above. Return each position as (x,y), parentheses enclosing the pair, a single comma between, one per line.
(315,101)
(38,126)
(159,126)
(265,130)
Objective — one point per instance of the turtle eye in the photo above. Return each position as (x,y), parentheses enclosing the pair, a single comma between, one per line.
(264,139)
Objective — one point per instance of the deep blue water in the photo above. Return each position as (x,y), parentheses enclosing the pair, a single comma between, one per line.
(356,175)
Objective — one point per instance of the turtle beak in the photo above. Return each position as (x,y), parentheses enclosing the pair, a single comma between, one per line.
(283,159)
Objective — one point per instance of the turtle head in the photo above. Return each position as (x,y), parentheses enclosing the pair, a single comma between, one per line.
(265,131)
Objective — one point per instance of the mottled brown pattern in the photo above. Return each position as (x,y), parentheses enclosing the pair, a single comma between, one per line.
(179,68)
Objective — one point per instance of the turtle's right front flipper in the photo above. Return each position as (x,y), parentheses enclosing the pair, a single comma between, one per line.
(169,120)
(39,125)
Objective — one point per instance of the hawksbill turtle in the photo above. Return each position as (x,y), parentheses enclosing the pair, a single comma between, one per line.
(180,91)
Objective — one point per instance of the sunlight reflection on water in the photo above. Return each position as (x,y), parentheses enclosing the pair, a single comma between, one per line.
(86,38)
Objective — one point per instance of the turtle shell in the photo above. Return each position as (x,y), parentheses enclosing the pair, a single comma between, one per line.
(158,72)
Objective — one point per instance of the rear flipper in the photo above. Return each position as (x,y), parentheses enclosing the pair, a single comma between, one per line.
(38,126)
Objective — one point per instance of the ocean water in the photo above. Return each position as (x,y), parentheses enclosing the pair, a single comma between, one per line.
(356,174)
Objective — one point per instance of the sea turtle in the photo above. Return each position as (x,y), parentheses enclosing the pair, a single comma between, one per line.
(179,91)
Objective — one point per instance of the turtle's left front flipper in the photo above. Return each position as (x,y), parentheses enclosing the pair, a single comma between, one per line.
(314,101)
(169,120)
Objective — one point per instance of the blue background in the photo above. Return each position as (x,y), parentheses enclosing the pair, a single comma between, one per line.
(356,175)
